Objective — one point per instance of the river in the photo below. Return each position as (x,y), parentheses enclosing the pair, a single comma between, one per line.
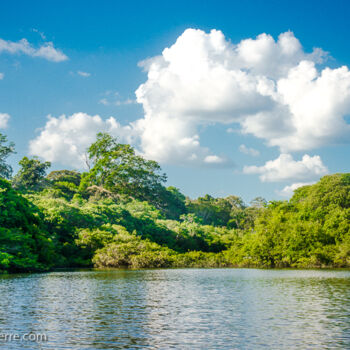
(177,308)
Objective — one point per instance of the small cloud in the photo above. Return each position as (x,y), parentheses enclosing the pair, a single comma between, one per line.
(250,151)
(103,101)
(128,101)
(113,99)
(2,76)
(285,168)
(232,131)
(83,74)
(213,159)
(4,118)
(46,50)
(42,35)
(289,190)
(16,64)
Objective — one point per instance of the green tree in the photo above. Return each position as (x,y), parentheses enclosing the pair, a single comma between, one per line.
(217,211)
(172,202)
(6,149)
(258,202)
(117,168)
(24,244)
(31,175)
(64,183)
(70,176)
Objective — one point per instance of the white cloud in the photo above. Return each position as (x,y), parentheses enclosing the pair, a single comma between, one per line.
(4,118)
(104,101)
(42,35)
(2,76)
(113,99)
(215,160)
(83,74)
(46,50)
(289,190)
(285,168)
(309,112)
(128,101)
(250,151)
(65,139)
(269,88)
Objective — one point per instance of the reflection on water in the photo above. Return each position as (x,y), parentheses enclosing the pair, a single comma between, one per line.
(184,308)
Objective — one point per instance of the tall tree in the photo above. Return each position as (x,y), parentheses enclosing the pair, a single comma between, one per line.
(117,168)
(6,149)
(31,175)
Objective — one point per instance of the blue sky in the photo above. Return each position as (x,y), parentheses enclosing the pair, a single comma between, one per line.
(206,142)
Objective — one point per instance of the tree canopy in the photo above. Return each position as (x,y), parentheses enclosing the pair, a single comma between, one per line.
(117,168)
(6,149)
(120,214)
(31,175)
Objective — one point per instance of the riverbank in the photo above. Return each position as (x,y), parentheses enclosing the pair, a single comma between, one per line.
(69,219)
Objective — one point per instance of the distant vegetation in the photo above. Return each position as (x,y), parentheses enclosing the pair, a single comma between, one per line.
(120,214)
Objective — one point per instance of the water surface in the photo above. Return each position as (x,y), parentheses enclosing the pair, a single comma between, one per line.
(180,308)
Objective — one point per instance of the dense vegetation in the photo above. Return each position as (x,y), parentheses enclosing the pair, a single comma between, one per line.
(120,214)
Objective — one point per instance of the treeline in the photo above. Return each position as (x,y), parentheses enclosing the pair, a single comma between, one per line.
(120,214)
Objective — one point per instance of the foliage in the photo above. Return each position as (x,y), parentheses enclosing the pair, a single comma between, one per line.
(311,230)
(117,168)
(5,151)
(31,176)
(24,244)
(119,214)
(64,183)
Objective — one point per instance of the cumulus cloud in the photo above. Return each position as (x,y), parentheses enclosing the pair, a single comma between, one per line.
(289,190)
(285,168)
(310,109)
(65,139)
(4,118)
(46,50)
(250,151)
(2,76)
(269,88)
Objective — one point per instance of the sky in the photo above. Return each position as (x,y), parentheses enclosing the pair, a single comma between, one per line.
(249,98)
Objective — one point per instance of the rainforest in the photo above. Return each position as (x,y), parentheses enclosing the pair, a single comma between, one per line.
(120,214)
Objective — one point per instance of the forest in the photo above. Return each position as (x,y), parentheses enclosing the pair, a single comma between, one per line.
(120,214)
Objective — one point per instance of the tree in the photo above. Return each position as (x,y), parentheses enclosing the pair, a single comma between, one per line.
(64,183)
(5,151)
(32,174)
(172,202)
(258,202)
(24,244)
(217,211)
(69,176)
(117,168)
